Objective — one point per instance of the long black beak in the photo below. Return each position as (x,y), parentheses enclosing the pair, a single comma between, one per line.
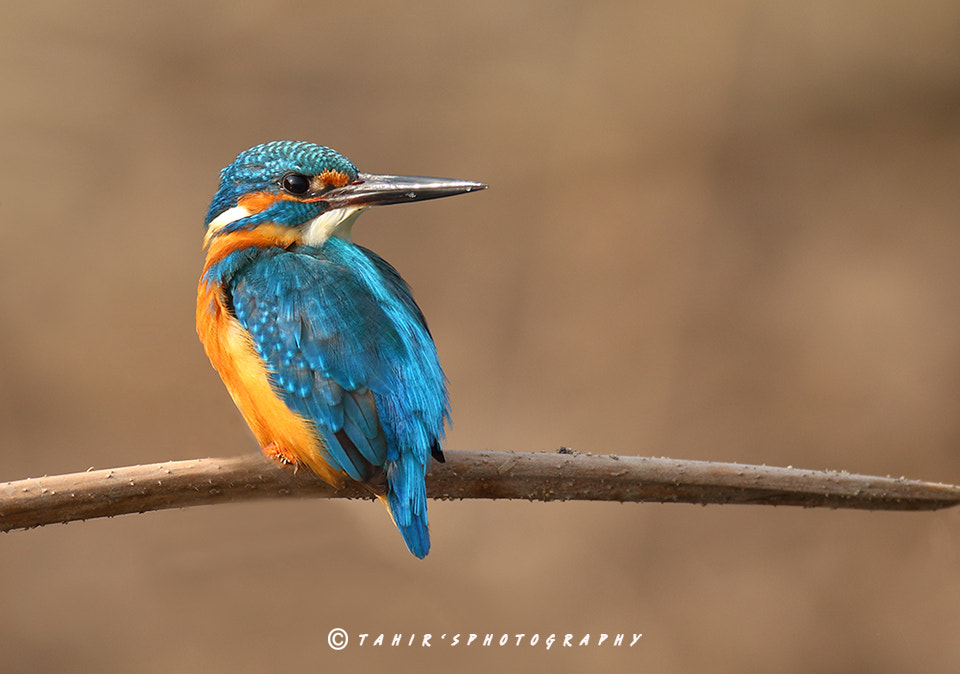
(376,190)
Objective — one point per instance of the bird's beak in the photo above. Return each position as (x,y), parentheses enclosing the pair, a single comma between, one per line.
(376,190)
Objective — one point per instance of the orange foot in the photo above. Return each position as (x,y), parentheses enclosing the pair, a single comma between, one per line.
(282,455)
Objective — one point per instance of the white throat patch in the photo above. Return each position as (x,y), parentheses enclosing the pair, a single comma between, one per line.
(336,222)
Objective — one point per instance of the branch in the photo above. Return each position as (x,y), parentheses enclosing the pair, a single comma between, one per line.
(561,476)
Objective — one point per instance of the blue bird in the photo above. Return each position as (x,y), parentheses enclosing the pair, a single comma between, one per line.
(317,339)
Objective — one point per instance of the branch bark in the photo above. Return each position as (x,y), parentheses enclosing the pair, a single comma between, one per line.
(561,476)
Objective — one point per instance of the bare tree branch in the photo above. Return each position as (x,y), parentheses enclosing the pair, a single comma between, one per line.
(561,476)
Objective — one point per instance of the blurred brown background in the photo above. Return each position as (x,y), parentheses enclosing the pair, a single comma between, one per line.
(714,230)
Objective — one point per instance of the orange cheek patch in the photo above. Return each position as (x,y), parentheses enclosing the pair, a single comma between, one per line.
(256,202)
(263,236)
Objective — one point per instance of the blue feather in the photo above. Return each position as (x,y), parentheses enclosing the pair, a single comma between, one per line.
(349,349)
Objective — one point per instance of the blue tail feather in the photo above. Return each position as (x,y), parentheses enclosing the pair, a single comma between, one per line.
(417,536)
(407,501)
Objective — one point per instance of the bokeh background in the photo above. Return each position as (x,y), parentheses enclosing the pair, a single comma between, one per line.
(714,230)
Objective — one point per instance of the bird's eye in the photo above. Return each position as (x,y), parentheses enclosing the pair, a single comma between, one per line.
(294,183)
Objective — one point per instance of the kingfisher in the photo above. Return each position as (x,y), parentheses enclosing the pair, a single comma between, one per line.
(317,339)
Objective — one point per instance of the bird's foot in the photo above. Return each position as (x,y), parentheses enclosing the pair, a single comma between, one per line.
(281,455)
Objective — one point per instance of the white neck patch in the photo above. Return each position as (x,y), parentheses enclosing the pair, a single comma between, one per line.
(336,222)
(224,219)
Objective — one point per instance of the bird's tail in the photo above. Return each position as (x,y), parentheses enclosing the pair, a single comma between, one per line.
(406,499)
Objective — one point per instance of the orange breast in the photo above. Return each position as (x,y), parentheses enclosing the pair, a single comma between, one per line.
(231,351)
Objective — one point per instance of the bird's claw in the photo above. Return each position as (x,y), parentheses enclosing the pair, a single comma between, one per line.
(281,455)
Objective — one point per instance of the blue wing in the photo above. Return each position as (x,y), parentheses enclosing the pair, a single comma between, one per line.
(349,349)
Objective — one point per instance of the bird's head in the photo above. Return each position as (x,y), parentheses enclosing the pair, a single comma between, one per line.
(311,189)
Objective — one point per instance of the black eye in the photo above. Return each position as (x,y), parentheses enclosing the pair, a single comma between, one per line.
(294,183)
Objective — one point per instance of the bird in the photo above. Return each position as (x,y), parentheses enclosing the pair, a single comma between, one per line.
(318,339)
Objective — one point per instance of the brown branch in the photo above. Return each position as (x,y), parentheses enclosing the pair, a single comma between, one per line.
(560,476)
